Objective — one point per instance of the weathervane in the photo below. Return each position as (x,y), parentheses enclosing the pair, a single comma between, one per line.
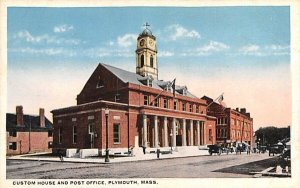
(146,25)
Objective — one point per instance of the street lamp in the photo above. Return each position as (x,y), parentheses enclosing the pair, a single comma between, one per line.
(171,134)
(106,151)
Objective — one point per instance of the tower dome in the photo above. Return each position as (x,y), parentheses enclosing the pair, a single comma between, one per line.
(146,32)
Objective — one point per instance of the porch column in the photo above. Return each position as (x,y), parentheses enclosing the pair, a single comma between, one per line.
(155,132)
(198,133)
(184,132)
(145,130)
(166,142)
(191,131)
(174,132)
(204,134)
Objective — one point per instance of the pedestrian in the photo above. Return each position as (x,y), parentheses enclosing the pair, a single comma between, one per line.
(61,157)
(144,150)
(131,150)
(158,152)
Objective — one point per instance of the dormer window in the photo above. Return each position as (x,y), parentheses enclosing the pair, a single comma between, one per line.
(149,81)
(184,91)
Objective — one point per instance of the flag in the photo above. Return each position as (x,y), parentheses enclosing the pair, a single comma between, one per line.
(173,87)
(221,102)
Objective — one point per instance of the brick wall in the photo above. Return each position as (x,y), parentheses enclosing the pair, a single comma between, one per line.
(39,142)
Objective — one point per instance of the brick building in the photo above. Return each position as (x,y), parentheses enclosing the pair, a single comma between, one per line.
(143,110)
(28,133)
(232,125)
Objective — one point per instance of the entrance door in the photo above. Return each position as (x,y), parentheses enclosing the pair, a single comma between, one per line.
(178,140)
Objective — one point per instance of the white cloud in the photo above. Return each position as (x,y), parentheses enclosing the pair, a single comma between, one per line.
(46,51)
(207,49)
(28,37)
(251,48)
(104,52)
(165,54)
(178,31)
(126,40)
(62,28)
(213,46)
(268,50)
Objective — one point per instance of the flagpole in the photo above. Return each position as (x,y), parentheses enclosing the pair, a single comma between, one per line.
(215,100)
(161,92)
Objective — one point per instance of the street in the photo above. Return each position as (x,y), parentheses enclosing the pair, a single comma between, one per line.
(190,167)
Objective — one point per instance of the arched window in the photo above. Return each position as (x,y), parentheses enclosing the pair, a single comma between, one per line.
(142,60)
(151,61)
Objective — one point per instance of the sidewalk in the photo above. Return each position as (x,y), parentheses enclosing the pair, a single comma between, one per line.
(179,152)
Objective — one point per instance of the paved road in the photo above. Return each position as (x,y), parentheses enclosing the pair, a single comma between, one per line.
(191,167)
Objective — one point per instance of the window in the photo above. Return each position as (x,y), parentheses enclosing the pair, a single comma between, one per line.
(175,104)
(60,135)
(100,84)
(50,145)
(74,134)
(151,61)
(156,102)
(142,60)
(116,133)
(50,133)
(12,145)
(166,103)
(191,108)
(91,128)
(146,100)
(197,109)
(117,97)
(183,106)
(150,83)
(13,133)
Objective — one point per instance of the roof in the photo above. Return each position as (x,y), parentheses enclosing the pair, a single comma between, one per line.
(34,121)
(134,78)
(147,32)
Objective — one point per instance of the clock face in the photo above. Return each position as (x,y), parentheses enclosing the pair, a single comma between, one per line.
(142,42)
(151,42)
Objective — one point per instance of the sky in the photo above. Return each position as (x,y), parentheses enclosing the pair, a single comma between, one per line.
(243,52)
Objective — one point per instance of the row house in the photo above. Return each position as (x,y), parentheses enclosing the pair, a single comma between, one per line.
(232,125)
(28,133)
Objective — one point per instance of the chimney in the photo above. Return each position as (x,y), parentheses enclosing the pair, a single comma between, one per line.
(42,117)
(243,110)
(19,114)
(248,114)
(237,109)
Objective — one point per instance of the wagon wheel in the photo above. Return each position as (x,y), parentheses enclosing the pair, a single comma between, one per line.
(219,153)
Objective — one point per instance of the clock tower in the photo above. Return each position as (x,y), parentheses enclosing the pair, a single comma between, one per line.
(146,54)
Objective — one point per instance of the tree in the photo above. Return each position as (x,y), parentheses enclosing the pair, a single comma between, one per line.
(272,135)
